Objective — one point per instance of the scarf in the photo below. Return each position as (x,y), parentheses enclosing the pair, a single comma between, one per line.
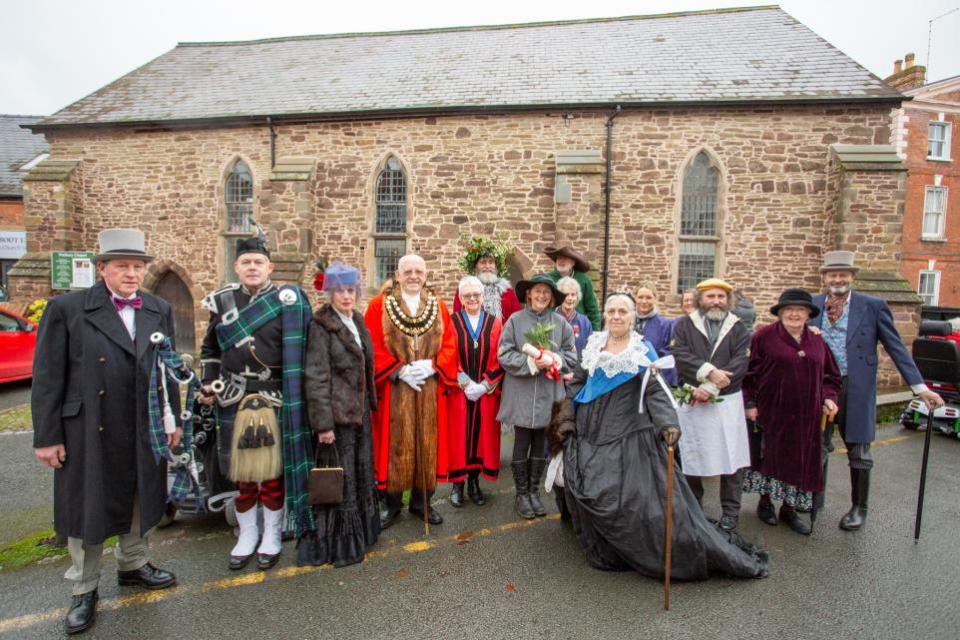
(291,305)
(835,306)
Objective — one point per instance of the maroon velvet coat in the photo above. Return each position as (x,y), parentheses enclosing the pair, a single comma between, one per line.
(789,381)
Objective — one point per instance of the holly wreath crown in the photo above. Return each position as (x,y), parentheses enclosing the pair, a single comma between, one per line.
(500,250)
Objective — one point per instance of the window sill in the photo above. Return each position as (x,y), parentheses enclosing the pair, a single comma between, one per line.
(933,159)
(932,239)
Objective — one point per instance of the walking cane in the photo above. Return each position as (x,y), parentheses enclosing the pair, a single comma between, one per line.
(818,496)
(668,543)
(923,474)
(423,477)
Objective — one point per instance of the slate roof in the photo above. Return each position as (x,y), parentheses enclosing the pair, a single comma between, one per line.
(17,147)
(727,55)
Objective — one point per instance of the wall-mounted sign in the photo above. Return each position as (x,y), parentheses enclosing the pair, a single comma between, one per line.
(72,270)
(13,244)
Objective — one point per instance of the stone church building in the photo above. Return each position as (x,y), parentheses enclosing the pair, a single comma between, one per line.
(734,143)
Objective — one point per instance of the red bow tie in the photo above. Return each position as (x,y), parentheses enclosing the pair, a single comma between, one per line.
(120,303)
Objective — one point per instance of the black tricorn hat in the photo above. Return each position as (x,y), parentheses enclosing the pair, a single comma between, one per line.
(541,278)
(256,244)
(799,297)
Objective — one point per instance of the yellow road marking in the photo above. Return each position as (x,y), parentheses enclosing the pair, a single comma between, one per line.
(257,577)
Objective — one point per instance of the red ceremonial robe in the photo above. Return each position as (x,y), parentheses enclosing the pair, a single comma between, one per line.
(788,381)
(387,361)
(474,433)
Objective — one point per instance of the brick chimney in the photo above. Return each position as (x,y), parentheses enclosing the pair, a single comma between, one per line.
(906,74)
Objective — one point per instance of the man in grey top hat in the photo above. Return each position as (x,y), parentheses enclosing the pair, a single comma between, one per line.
(91,377)
(853,324)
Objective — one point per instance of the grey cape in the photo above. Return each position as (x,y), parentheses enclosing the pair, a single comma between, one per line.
(527,400)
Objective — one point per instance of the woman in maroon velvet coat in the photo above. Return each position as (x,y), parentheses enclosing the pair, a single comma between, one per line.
(791,381)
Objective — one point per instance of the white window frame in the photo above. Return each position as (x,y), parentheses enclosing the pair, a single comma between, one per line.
(945,149)
(934,296)
(942,222)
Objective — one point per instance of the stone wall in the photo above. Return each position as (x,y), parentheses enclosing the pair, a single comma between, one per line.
(487,174)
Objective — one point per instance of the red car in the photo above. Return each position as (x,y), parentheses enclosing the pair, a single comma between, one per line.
(18,338)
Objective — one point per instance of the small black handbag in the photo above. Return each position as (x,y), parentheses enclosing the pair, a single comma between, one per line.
(325,485)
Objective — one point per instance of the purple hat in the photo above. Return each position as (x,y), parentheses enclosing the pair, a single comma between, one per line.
(339,274)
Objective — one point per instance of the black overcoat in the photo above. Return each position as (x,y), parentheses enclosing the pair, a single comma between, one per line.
(90,386)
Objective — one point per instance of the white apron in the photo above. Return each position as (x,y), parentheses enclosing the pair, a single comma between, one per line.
(713,437)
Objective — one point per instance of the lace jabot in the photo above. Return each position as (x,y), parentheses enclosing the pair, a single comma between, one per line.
(630,360)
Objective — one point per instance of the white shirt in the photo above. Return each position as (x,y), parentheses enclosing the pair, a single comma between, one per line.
(474,321)
(413,302)
(127,314)
(350,324)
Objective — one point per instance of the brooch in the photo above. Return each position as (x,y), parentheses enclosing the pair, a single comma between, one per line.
(802,353)
(288,297)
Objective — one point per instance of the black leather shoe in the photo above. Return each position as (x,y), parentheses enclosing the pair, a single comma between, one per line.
(474,492)
(388,516)
(793,520)
(728,522)
(83,611)
(239,562)
(433,516)
(147,576)
(266,561)
(766,513)
(456,496)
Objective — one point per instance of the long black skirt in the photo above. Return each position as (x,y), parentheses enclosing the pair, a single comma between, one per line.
(616,491)
(345,531)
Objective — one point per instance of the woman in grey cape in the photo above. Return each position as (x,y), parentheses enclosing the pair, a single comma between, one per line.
(532,382)
(615,459)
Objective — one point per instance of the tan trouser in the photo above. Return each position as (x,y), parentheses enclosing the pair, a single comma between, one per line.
(131,554)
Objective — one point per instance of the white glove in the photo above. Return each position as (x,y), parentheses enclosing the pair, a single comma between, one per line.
(412,377)
(424,368)
(475,391)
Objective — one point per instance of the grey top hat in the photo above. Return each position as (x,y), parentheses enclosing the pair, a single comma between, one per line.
(122,243)
(838,261)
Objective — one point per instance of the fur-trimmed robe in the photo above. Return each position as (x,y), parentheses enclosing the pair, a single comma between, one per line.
(404,413)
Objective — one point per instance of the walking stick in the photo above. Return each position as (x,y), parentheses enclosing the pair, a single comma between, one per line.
(423,476)
(818,496)
(668,542)
(923,474)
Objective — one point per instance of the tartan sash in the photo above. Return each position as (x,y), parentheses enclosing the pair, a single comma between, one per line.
(291,305)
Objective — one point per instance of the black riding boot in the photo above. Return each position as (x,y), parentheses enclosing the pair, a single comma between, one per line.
(456,496)
(524,509)
(859,490)
(537,467)
(474,491)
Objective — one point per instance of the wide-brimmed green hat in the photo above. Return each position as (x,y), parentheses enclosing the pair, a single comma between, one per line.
(541,278)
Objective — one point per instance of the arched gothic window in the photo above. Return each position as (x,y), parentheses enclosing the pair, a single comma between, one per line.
(239,198)
(390,224)
(699,222)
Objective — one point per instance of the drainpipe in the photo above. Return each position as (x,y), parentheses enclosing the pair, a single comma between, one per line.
(273,143)
(606,208)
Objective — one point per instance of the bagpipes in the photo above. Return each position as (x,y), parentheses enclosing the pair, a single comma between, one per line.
(169,366)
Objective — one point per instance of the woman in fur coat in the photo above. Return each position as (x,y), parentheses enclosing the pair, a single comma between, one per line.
(340,394)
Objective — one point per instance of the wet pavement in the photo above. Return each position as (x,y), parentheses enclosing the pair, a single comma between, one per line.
(484,573)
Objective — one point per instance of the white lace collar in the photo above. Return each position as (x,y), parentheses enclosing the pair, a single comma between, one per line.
(630,360)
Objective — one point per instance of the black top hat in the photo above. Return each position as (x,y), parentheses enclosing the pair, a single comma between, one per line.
(256,244)
(796,297)
(541,278)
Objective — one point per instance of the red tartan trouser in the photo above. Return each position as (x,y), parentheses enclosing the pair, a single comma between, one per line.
(270,493)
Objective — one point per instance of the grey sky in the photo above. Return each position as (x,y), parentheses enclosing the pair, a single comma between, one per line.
(55,52)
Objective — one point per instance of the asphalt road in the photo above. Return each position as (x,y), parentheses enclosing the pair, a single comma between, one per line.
(484,573)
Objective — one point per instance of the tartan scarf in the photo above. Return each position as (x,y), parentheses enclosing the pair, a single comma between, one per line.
(168,362)
(295,318)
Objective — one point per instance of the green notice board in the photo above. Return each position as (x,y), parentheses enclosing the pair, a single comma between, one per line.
(71,270)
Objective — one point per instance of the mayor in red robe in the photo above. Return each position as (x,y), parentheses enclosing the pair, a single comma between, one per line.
(792,378)
(474,433)
(415,361)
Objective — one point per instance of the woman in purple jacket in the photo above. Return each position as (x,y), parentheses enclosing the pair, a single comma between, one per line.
(654,327)
(568,309)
